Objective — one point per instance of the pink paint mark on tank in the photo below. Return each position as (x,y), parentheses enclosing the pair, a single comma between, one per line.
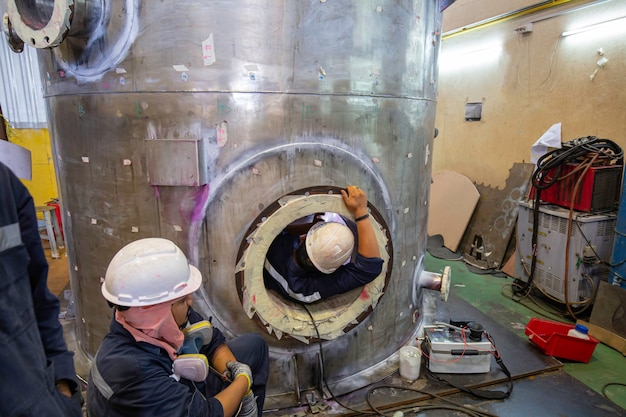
(201,199)
(197,215)
(364,295)
(253,298)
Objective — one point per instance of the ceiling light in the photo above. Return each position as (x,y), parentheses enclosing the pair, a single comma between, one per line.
(593,27)
(454,60)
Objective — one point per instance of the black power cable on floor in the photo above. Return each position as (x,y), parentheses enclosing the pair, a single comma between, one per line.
(609,384)
(375,411)
(469,410)
(323,374)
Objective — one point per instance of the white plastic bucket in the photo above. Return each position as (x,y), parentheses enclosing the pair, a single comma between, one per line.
(410,362)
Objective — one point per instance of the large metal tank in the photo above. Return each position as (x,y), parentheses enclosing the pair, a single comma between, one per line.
(217,123)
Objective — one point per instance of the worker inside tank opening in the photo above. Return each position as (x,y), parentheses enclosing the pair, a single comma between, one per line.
(310,260)
(162,358)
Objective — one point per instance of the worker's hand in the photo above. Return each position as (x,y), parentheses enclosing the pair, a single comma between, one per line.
(248,406)
(355,200)
(64,388)
(237,369)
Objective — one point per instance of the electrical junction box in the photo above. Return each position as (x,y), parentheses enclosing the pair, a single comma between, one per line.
(448,352)
(590,243)
(527,28)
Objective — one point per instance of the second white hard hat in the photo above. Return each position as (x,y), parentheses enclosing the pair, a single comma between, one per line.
(329,245)
(147,272)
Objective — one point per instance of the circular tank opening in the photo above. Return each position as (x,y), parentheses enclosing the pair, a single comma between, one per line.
(283,317)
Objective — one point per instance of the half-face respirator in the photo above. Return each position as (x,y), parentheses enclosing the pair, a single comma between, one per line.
(190,363)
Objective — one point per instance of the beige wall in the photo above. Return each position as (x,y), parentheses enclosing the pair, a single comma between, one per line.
(536,80)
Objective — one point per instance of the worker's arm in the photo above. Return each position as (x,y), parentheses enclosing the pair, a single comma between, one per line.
(231,396)
(221,357)
(355,200)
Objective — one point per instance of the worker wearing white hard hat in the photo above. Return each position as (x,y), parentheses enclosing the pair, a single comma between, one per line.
(322,263)
(160,357)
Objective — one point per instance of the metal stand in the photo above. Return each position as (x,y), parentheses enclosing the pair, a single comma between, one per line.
(52,231)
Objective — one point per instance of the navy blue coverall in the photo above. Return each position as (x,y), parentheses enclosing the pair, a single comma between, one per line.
(33,353)
(284,275)
(136,377)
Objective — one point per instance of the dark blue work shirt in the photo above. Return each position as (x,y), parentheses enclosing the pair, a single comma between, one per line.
(138,380)
(283,274)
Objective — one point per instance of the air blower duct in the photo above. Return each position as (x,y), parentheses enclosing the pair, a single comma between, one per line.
(215,124)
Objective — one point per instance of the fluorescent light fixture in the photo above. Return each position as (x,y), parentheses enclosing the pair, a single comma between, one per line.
(607,24)
(450,60)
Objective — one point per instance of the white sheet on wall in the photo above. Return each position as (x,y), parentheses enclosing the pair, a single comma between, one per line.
(18,159)
(550,139)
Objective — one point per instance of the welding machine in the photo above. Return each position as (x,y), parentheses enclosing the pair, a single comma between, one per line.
(457,350)
(599,187)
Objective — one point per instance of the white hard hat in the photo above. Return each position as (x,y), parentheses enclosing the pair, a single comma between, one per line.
(147,272)
(329,245)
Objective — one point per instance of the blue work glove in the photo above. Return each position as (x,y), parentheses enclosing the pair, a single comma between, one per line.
(248,406)
(236,369)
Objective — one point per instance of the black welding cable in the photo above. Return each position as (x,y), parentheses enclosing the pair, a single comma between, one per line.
(525,289)
(323,374)
(609,384)
(454,406)
(548,172)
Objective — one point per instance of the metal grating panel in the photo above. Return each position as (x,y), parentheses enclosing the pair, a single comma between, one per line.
(607,228)
(21,96)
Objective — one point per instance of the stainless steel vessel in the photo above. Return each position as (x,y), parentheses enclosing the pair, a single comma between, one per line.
(215,124)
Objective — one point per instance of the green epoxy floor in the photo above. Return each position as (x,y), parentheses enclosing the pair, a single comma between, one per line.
(489,294)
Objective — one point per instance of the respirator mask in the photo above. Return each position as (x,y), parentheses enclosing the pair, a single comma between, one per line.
(190,363)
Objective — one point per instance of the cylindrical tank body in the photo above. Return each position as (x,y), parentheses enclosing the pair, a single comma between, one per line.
(216,123)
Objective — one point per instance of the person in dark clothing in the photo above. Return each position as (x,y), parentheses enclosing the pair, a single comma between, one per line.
(310,264)
(38,376)
(160,357)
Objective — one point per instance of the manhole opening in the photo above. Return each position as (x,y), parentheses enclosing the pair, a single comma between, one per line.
(335,315)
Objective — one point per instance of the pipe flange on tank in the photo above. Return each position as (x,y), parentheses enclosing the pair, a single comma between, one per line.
(446,280)
(282,317)
(41,26)
(88,38)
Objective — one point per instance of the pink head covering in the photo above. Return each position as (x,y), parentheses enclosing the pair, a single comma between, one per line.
(153,324)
